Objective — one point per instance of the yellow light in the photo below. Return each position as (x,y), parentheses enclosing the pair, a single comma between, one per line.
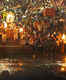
(62,68)
(10,17)
(54,32)
(64,59)
(64,38)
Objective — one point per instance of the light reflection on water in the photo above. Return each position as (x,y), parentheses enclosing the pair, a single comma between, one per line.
(11,65)
(19,64)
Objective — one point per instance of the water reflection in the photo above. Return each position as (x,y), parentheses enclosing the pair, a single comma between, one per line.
(23,63)
(11,65)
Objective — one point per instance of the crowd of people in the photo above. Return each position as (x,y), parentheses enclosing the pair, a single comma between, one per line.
(33,23)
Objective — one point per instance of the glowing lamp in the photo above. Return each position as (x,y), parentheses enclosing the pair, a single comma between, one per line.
(10,17)
(21,30)
(7,0)
(63,37)
(62,68)
(5,24)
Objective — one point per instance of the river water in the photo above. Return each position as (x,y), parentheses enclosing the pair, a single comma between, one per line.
(23,63)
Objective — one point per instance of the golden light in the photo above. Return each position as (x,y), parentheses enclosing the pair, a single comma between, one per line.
(20,64)
(64,59)
(64,38)
(10,17)
(42,8)
(62,68)
(21,30)
(54,32)
(61,20)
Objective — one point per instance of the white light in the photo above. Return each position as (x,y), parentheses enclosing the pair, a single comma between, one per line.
(21,30)
(7,0)
(5,24)
(10,17)
(24,16)
(63,37)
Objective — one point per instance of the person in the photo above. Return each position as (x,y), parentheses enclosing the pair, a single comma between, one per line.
(11,34)
(4,38)
(15,31)
(5,75)
(8,33)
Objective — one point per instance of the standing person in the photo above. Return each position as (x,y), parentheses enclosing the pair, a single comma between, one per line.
(8,33)
(54,51)
(1,30)
(11,34)
(15,31)
(4,36)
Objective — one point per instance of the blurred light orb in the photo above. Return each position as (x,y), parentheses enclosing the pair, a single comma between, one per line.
(10,17)
(5,24)
(21,30)
(63,37)
(62,68)
(7,0)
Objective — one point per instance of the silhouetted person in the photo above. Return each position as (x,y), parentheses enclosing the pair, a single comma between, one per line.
(5,75)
